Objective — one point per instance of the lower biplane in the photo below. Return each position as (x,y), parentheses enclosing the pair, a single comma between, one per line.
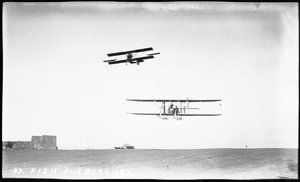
(176,111)
(133,56)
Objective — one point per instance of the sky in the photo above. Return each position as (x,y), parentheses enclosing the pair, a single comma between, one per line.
(56,83)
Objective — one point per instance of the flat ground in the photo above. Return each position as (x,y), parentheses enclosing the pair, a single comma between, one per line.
(150,163)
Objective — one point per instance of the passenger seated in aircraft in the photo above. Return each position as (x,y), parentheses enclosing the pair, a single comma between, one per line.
(176,110)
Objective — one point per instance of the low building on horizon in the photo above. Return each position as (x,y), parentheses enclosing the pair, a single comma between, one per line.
(125,146)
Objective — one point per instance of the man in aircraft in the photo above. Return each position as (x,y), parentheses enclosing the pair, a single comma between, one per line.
(170,109)
(129,56)
(176,110)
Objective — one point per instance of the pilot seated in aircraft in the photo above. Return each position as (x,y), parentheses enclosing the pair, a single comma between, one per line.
(170,109)
(129,56)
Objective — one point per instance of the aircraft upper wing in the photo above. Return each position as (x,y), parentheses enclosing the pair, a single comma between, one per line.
(179,114)
(199,114)
(132,51)
(133,59)
(172,100)
(152,54)
(155,114)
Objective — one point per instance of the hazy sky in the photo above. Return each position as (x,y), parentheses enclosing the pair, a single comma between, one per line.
(55,83)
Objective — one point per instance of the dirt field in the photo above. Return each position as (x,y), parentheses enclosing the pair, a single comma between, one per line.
(148,163)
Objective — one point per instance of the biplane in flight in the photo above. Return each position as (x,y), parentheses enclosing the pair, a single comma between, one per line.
(133,56)
(177,111)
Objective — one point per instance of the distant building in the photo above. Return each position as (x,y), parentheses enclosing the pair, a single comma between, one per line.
(46,142)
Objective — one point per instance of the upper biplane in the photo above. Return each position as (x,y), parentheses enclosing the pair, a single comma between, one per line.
(132,56)
(173,110)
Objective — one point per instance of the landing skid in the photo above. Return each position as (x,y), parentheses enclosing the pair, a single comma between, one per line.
(163,117)
(166,118)
(177,117)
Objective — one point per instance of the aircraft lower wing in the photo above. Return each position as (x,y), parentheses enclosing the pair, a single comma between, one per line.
(138,59)
(118,61)
(157,114)
(110,60)
(172,100)
(132,51)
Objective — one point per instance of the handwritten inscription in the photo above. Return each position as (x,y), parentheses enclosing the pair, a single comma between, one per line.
(72,171)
